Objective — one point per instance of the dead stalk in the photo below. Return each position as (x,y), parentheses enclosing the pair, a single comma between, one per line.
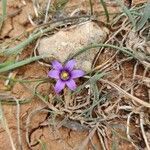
(28,121)
(128,130)
(143,132)
(126,93)
(86,141)
(18,124)
(5,124)
(47,9)
(101,139)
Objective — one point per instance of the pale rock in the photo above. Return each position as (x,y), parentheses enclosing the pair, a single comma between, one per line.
(67,42)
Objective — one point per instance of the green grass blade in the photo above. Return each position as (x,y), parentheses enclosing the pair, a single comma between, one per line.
(114,144)
(4,5)
(122,49)
(144,18)
(4,12)
(127,12)
(37,33)
(6,64)
(19,47)
(94,78)
(43,145)
(60,4)
(105,9)
(19,64)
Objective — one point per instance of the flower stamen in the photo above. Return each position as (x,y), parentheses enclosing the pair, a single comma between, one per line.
(64,75)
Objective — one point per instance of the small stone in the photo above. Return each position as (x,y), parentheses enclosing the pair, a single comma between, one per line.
(67,42)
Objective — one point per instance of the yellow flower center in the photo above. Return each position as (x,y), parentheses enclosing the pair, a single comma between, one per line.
(64,75)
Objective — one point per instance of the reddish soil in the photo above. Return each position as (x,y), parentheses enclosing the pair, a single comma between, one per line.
(55,139)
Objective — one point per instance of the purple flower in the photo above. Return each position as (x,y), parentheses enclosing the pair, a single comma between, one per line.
(64,75)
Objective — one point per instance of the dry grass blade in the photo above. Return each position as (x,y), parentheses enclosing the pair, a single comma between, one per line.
(101,139)
(128,130)
(105,103)
(91,6)
(127,12)
(86,141)
(35,93)
(105,9)
(143,103)
(18,125)
(47,9)
(5,125)
(143,132)
(28,121)
(41,30)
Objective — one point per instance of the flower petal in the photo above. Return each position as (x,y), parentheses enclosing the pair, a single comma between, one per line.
(71,84)
(59,86)
(57,65)
(77,74)
(70,64)
(53,74)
